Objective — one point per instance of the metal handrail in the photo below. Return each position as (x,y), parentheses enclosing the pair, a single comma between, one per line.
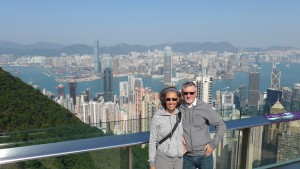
(17,154)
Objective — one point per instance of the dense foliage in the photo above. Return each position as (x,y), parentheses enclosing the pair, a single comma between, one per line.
(23,108)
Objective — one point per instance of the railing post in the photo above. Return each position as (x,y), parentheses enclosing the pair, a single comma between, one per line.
(244,147)
(129,157)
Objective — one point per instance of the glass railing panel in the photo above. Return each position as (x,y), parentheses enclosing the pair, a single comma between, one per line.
(232,113)
(49,135)
(226,155)
(264,145)
(127,126)
(102,159)
(280,143)
(140,156)
(73,132)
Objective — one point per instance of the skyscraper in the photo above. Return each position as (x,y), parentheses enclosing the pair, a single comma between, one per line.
(287,146)
(228,74)
(204,88)
(275,79)
(60,90)
(138,82)
(146,104)
(273,95)
(97,63)
(108,85)
(271,137)
(287,98)
(227,104)
(204,65)
(242,98)
(288,141)
(124,93)
(86,95)
(116,66)
(254,95)
(131,88)
(257,60)
(72,91)
(168,65)
(296,97)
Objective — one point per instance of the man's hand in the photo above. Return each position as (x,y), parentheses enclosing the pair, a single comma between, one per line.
(184,145)
(153,167)
(208,150)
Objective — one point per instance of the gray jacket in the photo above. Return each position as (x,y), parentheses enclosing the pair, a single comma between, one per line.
(195,122)
(162,124)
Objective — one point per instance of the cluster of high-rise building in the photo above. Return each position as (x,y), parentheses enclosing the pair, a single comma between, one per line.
(128,113)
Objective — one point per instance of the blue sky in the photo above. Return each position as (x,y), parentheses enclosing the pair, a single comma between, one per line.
(252,23)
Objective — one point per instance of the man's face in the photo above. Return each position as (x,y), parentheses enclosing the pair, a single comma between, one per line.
(189,94)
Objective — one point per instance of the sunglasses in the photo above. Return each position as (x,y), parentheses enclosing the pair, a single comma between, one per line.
(191,93)
(169,99)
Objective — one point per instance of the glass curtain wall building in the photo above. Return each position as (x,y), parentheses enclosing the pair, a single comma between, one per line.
(108,85)
(168,65)
(96,59)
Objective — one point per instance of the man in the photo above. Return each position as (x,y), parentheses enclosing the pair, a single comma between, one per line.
(196,118)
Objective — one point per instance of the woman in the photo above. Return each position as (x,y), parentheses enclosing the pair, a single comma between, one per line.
(167,154)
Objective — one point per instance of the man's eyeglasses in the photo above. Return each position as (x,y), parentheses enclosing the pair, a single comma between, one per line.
(169,99)
(191,93)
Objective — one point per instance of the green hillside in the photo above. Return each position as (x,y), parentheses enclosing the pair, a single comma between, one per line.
(28,117)
(23,108)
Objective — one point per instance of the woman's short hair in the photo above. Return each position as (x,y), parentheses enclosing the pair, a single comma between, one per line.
(163,93)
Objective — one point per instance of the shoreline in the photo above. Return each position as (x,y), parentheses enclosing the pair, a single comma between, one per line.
(84,79)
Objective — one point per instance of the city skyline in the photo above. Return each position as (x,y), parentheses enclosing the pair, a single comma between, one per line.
(244,24)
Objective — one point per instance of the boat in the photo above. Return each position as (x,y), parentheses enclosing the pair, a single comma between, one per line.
(157,76)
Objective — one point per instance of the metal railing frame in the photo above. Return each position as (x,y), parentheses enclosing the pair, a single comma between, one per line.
(18,154)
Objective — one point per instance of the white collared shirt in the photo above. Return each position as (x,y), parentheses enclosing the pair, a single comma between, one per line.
(193,104)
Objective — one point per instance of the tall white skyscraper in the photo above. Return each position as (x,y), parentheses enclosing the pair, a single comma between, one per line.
(227,102)
(124,89)
(204,65)
(131,88)
(124,93)
(204,88)
(168,65)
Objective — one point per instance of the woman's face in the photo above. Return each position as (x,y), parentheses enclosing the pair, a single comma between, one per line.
(171,100)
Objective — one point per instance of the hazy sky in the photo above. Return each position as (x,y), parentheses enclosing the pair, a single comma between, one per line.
(251,23)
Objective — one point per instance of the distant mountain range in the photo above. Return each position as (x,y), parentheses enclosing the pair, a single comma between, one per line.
(54,49)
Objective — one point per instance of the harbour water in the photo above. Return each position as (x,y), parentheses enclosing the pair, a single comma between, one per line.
(290,74)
